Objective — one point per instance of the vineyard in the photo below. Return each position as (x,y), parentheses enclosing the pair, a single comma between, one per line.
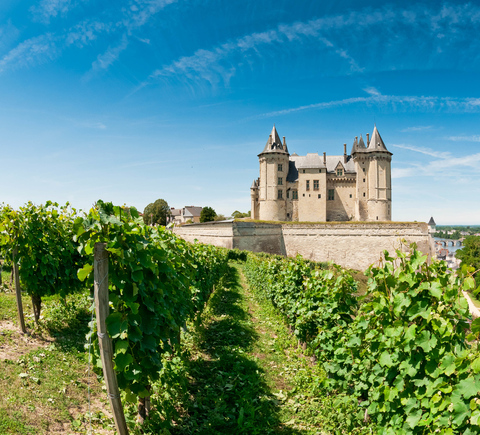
(192,338)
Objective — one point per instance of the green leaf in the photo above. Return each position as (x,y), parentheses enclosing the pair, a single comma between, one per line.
(476,365)
(121,346)
(116,324)
(475,418)
(83,273)
(424,341)
(413,418)
(122,361)
(385,359)
(469,387)
(436,289)
(460,412)
(469,283)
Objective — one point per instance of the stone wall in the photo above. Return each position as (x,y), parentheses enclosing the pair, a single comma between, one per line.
(349,244)
(213,233)
(353,245)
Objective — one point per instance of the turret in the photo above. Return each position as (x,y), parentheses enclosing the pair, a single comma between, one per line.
(273,178)
(374,185)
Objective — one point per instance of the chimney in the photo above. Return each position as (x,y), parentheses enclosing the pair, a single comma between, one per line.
(368,139)
(284,144)
(325,159)
(344,153)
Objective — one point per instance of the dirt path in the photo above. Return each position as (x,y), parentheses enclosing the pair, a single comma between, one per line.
(471,306)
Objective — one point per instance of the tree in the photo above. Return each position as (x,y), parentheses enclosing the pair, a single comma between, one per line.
(219,217)
(156,213)
(238,214)
(470,254)
(207,215)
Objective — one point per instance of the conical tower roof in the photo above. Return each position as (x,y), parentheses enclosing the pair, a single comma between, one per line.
(361,143)
(376,142)
(354,146)
(431,222)
(274,144)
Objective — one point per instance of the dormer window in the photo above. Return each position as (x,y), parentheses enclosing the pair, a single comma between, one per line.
(339,172)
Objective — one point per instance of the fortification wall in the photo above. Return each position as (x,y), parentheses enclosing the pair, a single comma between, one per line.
(213,233)
(353,245)
(349,244)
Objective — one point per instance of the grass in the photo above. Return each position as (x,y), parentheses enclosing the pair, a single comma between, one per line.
(240,372)
(245,375)
(44,376)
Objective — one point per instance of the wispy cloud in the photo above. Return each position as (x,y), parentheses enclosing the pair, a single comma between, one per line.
(424,150)
(47,9)
(48,46)
(439,32)
(396,102)
(32,51)
(473,138)
(86,31)
(104,60)
(417,128)
(139,12)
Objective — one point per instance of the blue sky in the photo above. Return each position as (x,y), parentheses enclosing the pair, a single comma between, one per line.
(134,100)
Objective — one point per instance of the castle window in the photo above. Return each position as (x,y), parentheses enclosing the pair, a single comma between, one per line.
(304,195)
(350,195)
(364,180)
(308,185)
(363,193)
(280,181)
(280,194)
(315,184)
(319,196)
(363,170)
(294,194)
(339,172)
(280,167)
(331,194)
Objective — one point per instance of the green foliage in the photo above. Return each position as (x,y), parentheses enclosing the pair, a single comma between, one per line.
(47,255)
(156,213)
(470,254)
(156,283)
(238,215)
(207,214)
(406,355)
(237,255)
(318,304)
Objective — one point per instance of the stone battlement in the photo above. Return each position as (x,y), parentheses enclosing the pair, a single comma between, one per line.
(354,245)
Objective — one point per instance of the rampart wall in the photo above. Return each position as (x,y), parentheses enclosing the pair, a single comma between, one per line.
(352,245)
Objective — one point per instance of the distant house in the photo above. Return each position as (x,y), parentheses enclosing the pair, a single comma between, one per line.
(181,216)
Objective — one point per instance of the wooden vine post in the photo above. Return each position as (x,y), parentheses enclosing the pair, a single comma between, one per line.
(104,340)
(18,293)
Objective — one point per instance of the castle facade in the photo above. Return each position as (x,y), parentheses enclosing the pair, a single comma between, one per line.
(313,188)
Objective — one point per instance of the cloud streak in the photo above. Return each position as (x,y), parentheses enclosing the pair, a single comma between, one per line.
(48,46)
(47,9)
(396,102)
(439,32)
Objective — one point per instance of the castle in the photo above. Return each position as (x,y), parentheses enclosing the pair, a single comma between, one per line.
(333,188)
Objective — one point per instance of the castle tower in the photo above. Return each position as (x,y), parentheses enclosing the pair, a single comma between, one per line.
(272,185)
(374,184)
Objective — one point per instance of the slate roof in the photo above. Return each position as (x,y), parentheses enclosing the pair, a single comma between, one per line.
(376,144)
(274,144)
(315,161)
(192,211)
(431,221)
